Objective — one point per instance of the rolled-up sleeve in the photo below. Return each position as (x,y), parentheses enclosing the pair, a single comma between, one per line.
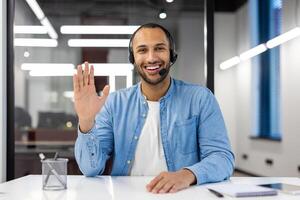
(94,148)
(216,158)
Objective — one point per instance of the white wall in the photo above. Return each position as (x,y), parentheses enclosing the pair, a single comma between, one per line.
(234,90)
(225,93)
(3,91)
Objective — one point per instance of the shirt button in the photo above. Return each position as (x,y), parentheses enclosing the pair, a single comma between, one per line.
(144,102)
(144,115)
(128,162)
(135,137)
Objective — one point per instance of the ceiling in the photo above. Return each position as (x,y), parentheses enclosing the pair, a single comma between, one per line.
(125,8)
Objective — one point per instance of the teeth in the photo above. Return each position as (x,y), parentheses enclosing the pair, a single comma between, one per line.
(152,67)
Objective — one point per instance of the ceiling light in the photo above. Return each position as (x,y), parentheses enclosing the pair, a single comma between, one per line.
(30,30)
(67,69)
(261,48)
(26,54)
(253,52)
(35,42)
(52,72)
(163,14)
(115,69)
(283,38)
(169,1)
(230,62)
(98,42)
(47,66)
(36,9)
(52,33)
(98,29)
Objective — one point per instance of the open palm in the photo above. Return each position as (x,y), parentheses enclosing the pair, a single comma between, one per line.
(87,102)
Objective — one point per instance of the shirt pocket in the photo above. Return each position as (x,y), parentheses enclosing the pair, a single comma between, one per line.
(186,135)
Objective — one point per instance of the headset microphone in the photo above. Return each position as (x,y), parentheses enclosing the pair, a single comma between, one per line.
(162,72)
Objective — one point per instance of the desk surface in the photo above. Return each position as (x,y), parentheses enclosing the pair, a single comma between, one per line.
(114,188)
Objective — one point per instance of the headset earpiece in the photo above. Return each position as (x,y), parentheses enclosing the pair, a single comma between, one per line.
(130,56)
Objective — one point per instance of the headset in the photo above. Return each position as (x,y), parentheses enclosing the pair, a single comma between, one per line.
(173,54)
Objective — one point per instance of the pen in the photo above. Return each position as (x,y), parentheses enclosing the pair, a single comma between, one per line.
(218,194)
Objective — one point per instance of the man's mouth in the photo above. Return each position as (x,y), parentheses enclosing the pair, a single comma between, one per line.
(153,69)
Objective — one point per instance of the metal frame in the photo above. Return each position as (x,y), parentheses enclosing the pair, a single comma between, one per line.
(10,148)
(209,9)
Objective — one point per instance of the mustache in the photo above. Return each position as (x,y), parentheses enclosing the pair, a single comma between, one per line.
(154,62)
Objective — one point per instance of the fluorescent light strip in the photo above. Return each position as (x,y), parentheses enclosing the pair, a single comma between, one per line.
(47,66)
(66,29)
(262,47)
(52,72)
(98,42)
(253,52)
(113,69)
(67,69)
(283,38)
(36,9)
(230,62)
(52,33)
(30,30)
(35,42)
(41,16)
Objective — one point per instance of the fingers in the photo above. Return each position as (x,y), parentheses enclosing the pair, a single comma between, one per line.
(75,83)
(158,188)
(106,90)
(168,182)
(167,187)
(86,76)
(174,188)
(91,76)
(80,77)
(152,184)
(86,73)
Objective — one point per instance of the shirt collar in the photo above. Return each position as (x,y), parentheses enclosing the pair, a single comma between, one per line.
(168,94)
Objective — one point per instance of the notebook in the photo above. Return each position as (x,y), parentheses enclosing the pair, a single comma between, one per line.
(242,190)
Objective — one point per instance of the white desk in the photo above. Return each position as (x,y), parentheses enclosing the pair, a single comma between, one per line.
(115,188)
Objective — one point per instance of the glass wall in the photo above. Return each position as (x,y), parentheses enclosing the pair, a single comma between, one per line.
(52,37)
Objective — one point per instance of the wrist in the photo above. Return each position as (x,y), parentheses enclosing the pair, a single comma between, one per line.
(85,125)
(192,180)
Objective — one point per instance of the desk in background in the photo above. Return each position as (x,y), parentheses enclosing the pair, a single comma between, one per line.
(121,188)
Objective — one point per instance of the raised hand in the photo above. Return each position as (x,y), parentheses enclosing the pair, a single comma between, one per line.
(87,102)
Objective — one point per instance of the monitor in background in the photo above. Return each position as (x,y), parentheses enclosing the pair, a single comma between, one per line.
(52,120)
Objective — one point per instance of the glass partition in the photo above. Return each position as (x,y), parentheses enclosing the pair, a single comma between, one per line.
(52,37)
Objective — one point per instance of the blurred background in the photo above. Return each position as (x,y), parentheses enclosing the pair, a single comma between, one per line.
(252,68)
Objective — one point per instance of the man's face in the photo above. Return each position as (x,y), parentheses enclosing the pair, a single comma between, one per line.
(151,54)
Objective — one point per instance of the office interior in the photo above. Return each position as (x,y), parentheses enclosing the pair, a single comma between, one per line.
(259,100)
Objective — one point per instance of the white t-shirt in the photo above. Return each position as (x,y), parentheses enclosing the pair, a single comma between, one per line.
(149,157)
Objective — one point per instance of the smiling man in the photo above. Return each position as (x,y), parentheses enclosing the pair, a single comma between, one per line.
(160,127)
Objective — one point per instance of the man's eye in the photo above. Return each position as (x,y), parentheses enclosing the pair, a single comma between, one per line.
(141,50)
(160,48)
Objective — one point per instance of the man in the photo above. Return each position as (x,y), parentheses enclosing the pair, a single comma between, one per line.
(161,126)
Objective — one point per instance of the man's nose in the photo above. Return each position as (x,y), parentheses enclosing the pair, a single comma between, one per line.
(152,56)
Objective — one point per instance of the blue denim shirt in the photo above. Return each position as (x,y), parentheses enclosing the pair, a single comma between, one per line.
(191,125)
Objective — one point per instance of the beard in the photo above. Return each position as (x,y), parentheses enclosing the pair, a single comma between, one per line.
(143,75)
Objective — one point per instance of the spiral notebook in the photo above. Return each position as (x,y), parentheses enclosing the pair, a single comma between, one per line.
(242,190)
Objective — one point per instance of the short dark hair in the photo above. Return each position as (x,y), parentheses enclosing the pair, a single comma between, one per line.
(173,55)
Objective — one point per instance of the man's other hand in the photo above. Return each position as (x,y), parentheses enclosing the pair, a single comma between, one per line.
(170,182)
